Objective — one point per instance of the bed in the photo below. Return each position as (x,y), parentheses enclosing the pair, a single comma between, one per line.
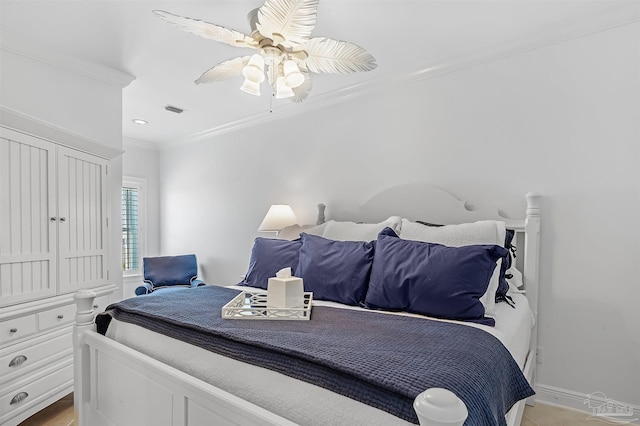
(129,375)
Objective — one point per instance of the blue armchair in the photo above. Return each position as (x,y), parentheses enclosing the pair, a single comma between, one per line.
(169,273)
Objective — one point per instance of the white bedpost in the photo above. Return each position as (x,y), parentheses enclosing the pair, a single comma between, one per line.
(320,220)
(440,407)
(84,322)
(532,269)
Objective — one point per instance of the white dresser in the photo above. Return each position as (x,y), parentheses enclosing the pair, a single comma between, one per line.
(36,354)
(53,241)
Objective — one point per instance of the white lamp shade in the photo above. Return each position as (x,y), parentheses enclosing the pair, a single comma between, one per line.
(279,216)
(254,71)
(282,90)
(292,75)
(257,61)
(250,87)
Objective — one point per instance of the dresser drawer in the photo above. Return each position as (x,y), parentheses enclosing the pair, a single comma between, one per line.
(100,303)
(56,317)
(22,397)
(24,357)
(16,328)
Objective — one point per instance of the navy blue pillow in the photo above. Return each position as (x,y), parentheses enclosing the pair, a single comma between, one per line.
(335,270)
(431,279)
(268,256)
(503,286)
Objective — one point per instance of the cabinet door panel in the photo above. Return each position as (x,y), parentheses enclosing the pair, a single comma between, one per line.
(27,236)
(82,223)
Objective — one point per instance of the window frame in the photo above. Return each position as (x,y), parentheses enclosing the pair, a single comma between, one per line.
(141,185)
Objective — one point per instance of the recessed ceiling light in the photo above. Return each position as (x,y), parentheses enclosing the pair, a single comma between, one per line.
(140,121)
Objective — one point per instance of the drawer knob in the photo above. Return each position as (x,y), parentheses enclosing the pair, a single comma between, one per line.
(15,362)
(95,306)
(60,316)
(13,330)
(19,397)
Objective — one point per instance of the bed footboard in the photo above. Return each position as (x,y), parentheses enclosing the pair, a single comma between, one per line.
(116,385)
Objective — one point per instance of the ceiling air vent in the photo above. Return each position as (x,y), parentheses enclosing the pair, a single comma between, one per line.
(175,109)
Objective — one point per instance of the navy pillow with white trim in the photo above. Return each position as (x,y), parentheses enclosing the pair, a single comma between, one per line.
(431,279)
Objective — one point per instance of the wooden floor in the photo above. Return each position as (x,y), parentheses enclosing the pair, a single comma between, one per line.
(57,414)
(548,415)
(61,414)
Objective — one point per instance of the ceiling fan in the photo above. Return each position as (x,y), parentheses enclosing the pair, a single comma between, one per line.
(281,33)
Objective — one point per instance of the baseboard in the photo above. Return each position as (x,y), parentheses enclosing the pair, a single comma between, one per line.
(576,401)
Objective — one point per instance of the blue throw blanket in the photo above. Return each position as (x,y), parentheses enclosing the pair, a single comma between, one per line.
(381,360)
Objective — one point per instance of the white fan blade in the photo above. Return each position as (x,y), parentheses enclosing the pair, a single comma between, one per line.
(301,92)
(252,17)
(207,30)
(337,57)
(287,22)
(224,70)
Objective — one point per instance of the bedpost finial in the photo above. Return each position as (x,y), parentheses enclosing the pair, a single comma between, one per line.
(440,407)
(321,218)
(84,306)
(533,203)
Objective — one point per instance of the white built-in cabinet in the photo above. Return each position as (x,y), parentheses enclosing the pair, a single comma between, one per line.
(53,242)
(27,239)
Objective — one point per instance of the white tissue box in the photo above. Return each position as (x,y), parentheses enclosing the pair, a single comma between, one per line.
(285,292)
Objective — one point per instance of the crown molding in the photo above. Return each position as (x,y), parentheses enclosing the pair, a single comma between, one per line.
(285,111)
(139,143)
(518,47)
(28,125)
(95,71)
(619,18)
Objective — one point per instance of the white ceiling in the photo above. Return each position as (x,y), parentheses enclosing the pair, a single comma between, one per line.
(404,36)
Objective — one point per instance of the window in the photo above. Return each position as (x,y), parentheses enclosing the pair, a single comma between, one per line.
(132,225)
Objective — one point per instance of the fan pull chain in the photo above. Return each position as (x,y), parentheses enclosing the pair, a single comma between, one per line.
(273,80)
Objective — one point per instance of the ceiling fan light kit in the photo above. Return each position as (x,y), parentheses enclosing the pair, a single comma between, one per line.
(282,90)
(292,76)
(250,87)
(254,70)
(281,32)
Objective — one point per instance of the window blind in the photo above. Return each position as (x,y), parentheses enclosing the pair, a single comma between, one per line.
(130,229)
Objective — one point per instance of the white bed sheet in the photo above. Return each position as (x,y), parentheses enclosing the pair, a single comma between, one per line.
(298,401)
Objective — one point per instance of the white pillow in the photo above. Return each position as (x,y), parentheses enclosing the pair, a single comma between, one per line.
(351,231)
(292,232)
(465,234)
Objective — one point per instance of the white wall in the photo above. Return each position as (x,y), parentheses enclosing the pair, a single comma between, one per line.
(561,120)
(74,102)
(141,161)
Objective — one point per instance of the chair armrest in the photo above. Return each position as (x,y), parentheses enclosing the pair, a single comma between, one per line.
(144,289)
(197,283)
